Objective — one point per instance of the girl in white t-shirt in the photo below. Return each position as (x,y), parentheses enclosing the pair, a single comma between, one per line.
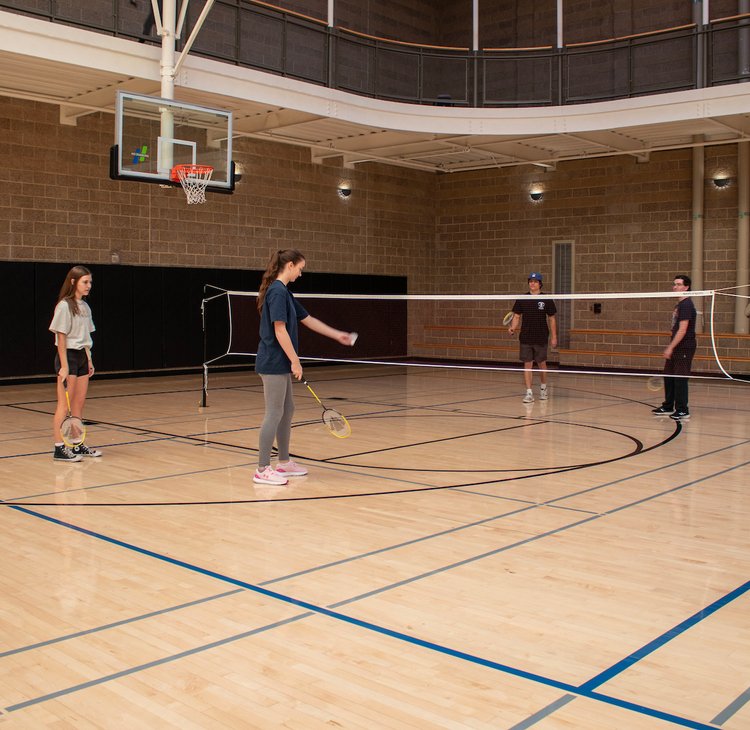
(72,325)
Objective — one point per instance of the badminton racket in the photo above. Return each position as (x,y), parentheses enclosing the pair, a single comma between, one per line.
(508,318)
(72,428)
(655,383)
(336,424)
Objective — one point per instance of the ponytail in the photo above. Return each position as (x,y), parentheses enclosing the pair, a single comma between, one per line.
(278,260)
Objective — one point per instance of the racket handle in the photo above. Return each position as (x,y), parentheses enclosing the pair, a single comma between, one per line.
(353,338)
(313,392)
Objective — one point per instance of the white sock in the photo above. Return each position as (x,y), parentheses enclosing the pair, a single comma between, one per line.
(544,386)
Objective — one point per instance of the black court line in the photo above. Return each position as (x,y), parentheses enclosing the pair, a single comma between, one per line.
(311,608)
(358,495)
(638,445)
(201,440)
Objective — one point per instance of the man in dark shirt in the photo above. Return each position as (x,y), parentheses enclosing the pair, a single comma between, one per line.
(533,316)
(679,355)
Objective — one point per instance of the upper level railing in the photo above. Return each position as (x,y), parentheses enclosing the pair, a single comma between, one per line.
(260,36)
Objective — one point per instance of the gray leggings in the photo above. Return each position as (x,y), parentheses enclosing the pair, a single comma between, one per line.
(277,392)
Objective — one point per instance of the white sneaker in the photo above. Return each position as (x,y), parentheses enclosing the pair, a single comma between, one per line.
(269,476)
(291,469)
(529,397)
(83,450)
(543,393)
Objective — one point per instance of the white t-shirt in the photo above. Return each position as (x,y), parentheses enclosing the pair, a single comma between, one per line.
(78,329)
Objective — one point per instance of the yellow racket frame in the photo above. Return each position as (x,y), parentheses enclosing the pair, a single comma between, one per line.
(70,419)
(330,410)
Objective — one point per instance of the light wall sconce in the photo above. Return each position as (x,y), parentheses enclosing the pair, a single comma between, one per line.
(536,193)
(721,182)
(344,190)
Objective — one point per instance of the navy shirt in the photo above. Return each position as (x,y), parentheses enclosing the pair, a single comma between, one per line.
(534,313)
(278,306)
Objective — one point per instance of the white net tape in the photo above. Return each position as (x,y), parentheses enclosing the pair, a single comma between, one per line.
(194,180)
(622,333)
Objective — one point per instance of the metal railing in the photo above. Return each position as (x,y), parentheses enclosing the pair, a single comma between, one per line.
(262,37)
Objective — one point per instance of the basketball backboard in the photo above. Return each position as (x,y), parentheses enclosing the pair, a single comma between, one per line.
(152,135)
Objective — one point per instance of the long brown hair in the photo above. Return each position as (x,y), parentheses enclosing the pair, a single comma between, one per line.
(278,260)
(68,289)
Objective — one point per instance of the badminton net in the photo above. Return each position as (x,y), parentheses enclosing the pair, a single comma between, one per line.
(598,333)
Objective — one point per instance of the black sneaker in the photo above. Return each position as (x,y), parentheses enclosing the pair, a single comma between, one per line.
(680,416)
(662,411)
(63,453)
(84,450)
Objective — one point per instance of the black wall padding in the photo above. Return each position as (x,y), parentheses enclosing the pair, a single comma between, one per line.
(149,318)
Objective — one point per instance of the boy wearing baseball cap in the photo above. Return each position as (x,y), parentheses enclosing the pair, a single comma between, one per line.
(533,316)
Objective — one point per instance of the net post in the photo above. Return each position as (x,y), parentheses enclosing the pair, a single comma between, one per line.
(713,338)
(205,349)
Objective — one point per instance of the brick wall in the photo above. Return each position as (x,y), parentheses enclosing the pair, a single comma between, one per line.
(465,233)
(630,224)
(62,206)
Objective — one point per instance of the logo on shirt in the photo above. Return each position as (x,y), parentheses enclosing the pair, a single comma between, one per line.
(540,306)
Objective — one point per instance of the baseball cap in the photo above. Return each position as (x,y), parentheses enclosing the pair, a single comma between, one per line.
(535,275)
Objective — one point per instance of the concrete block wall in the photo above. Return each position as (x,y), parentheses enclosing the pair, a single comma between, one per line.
(469,233)
(60,205)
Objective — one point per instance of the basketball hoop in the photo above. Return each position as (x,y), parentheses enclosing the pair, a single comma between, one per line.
(194,180)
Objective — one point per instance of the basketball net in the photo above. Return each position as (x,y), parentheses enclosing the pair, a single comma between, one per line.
(194,180)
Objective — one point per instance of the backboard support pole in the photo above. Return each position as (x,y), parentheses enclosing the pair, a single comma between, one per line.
(194,34)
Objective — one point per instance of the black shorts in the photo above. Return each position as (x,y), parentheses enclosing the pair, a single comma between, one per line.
(78,363)
(533,353)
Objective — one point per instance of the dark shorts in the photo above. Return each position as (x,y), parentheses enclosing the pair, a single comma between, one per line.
(533,353)
(78,363)
(680,363)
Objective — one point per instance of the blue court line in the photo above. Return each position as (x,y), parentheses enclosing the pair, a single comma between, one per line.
(666,637)
(625,479)
(313,609)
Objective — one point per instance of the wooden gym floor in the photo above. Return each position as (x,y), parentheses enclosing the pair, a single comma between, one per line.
(461,561)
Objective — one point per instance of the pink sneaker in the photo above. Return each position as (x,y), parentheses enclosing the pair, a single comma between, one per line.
(269,476)
(291,469)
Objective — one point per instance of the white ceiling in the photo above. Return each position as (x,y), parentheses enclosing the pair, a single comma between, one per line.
(81,71)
